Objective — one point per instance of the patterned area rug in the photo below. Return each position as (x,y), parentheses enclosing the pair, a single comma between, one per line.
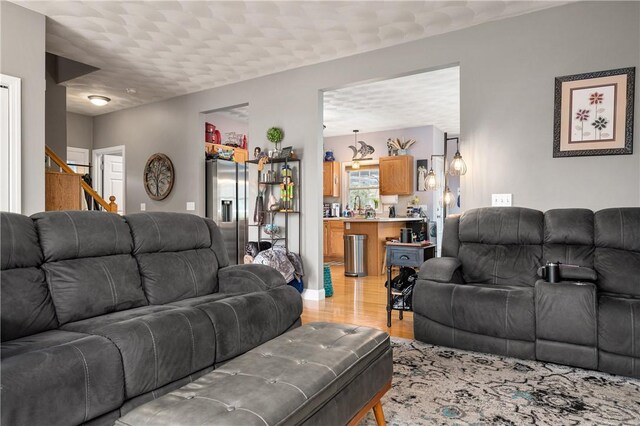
(434,385)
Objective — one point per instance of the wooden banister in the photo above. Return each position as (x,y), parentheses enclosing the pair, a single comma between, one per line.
(110,207)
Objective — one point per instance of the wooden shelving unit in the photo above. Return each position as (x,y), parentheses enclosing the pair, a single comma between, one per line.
(239,155)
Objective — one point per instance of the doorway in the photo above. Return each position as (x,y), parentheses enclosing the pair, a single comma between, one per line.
(109,174)
(369,126)
(10,144)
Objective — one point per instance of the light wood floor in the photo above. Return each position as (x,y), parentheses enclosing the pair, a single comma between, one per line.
(360,301)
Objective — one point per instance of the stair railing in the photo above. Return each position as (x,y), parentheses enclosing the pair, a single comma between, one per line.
(110,206)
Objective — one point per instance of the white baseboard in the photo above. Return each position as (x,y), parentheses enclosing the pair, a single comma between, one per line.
(313,294)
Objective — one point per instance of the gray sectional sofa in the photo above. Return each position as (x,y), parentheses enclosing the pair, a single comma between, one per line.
(485,294)
(102,313)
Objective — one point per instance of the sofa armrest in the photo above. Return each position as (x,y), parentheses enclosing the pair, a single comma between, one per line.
(573,273)
(442,270)
(573,305)
(248,278)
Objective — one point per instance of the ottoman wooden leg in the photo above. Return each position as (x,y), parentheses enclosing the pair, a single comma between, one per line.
(374,404)
(377,411)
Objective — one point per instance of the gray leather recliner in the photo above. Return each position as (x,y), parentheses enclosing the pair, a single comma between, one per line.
(484,294)
(479,295)
(102,313)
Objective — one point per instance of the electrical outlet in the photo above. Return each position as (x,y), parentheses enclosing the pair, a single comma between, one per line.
(191,206)
(501,200)
(143,207)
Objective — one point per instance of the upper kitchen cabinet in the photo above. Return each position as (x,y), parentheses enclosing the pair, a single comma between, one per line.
(331,179)
(396,175)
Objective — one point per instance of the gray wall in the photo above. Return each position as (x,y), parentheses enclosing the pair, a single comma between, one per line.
(225,124)
(507,71)
(80,131)
(22,54)
(55,114)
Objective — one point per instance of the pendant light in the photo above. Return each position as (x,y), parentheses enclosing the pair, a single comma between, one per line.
(448,198)
(457,166)
(356,164)
(431,183)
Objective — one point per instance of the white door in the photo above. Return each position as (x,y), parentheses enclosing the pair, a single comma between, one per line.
(113,180)
(77,156)
(5,163)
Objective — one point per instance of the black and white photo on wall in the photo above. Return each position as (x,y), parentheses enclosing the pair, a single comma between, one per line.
(594,113)
(421,174)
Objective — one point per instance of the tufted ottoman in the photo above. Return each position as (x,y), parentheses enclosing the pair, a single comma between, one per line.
(317,374)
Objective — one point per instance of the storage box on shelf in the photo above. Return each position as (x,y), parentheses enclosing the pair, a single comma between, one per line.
(239,155)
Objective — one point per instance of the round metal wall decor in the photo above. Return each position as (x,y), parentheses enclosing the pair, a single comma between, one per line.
(158,176)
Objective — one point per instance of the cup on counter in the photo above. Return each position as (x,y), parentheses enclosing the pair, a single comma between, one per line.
(406,235)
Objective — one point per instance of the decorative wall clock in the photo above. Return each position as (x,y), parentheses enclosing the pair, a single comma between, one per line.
(158,176)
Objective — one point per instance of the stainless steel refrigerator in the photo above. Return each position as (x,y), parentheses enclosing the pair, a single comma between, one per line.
(226,201)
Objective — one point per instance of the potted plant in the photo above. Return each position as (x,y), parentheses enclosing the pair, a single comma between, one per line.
(400,146)
(275,136)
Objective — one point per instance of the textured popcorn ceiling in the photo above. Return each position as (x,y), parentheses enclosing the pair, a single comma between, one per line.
(169,48)
(431,98)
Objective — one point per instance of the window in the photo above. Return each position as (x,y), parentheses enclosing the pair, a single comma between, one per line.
(365,183)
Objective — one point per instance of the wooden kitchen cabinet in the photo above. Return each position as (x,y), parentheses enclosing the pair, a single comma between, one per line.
(336,234)
(331,179)
(396,175)
(333,244)
(325,239)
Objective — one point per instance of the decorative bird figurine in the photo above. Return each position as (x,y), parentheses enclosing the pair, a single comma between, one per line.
(365,150)
(355,152)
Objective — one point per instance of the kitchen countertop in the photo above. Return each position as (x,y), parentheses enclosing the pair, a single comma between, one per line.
(377,219)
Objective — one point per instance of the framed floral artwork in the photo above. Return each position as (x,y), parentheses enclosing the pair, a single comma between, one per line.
(594,113)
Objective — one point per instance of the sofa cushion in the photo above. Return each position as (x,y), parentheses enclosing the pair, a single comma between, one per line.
(178,255)
(25,304)
(195,301)
(501,245)
(502,225)
(507,312)
(158,344)
(76,234)
(87,287)
(19,246)
(500,264)
(619,325)
(569,236)
(59,377)
(617,258)
(246,321)
(172,276)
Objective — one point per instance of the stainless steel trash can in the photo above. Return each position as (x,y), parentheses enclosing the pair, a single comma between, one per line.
(355,256)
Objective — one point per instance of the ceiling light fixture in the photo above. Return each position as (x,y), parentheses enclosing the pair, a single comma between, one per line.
(99,100)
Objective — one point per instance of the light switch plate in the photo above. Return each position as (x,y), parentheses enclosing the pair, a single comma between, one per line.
(143,207)
(347,225)
(191,206)
(501,200)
